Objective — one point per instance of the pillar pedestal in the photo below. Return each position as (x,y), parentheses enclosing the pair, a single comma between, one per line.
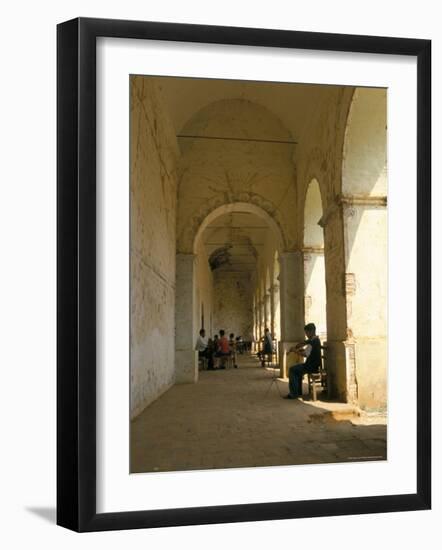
(186,358)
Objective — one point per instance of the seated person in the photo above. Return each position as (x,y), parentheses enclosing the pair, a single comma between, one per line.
(268,344)
(223,348)
(311,349)
(210,353)
(215,350)
(267,348)
(202,345)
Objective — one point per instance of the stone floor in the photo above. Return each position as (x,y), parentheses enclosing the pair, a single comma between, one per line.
(236,418)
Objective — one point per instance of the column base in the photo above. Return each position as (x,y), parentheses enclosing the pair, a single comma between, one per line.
(186,366)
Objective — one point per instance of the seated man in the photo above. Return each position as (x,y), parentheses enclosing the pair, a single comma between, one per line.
(223,348)
(202,345)
(267,348)
(311,349)
(210,353)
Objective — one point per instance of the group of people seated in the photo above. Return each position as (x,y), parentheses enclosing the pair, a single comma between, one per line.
(219,350)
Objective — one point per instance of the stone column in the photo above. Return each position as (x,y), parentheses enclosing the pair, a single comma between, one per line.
(186,358)
(254,320)
(272,310)
(268,310)
(356,273)
(276,327)
(336,356)
(255,325)
(262,316)
(365,230)
(291,278)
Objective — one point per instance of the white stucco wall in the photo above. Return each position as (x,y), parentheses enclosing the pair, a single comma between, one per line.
(152,247)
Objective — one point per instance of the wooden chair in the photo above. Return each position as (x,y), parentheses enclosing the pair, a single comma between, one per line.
(318,379)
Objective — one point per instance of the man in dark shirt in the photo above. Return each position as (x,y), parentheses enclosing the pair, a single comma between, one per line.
(311,349)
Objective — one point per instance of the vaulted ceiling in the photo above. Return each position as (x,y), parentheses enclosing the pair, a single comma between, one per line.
(296,105)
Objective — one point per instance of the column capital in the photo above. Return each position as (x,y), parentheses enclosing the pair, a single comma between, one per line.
(362,200)
(319,250)
(341,201)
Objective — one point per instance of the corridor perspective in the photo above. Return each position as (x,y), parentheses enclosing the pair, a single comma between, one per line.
(256,208)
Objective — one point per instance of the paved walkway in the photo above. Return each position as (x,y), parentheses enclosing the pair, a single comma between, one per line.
(236,418)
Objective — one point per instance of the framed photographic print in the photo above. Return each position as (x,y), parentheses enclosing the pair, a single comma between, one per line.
(243,274)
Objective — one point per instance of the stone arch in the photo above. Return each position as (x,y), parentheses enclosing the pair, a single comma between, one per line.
(314,260)
(260,303)
(267,298)
(216,172)
(313,234)
(319,170)
(228,208)
(276,321)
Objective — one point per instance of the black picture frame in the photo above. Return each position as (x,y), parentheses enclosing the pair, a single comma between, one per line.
(77,287)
